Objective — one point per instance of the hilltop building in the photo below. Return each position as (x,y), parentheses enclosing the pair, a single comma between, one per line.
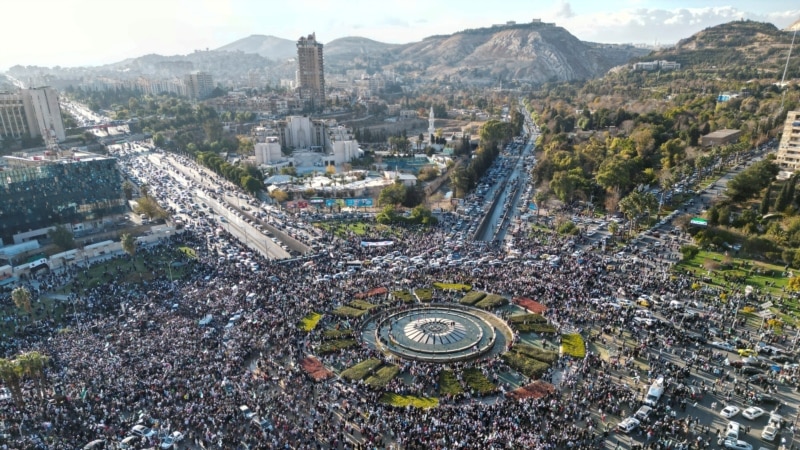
(720,137)
(41,190)
(311,72)
(788,157)
(33,112)
(657,65)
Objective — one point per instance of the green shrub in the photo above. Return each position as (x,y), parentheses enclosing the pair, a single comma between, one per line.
(424,294)
(362,304)
(452,287)
(472,298)
(361,370)
(333,333)
(336,345)
(448,383)
(347,311)
(567,227)
(403,296)
(535,353)
(572,344)
(525,365)
(492,301)
(382,376)
(309,322)
(403,401)
(529,318)
(539,328)
(478,382)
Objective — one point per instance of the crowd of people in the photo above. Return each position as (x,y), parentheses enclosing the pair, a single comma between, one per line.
(138,353)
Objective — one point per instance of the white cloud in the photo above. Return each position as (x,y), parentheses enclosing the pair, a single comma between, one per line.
(564,10)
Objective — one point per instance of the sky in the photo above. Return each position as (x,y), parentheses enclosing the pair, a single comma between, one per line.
(72,33)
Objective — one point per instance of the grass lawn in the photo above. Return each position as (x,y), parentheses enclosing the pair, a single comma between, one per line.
(472,298)
(347,311)
(404,296)
(188,251)
(448,383)
(336,345)
(769,273)
(573,345)
(492,301)
(361,370)
(424,294)
(536,353)
(309,322)
(524,364)
(337,334)
(478,382)
(362,304)
(40,309)
(343,229)
(382,376)
(402,401)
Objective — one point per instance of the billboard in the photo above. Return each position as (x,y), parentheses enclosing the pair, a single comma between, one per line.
(700,222)
(350,202)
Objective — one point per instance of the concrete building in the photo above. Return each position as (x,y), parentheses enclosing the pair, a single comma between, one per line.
(720,137)
(311,71)
(31,111)
(300,132)
(38,191)
(199,85)
(788,157)
(268,152)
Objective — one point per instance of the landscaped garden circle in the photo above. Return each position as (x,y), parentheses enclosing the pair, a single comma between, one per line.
(436,333)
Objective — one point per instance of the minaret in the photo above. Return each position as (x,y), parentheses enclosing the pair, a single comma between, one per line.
(431,128)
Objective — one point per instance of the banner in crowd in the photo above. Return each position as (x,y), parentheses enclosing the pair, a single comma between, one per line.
(376,243)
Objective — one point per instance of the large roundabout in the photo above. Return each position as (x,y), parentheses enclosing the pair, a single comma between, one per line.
(440,333)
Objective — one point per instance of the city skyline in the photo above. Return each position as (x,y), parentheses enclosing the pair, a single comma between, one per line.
(90,33)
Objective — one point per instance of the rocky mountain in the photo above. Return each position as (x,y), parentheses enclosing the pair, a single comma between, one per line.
(266,46)
(738,45)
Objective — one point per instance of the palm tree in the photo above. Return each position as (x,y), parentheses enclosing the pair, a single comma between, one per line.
(32,364)
(22,298)
(11,373)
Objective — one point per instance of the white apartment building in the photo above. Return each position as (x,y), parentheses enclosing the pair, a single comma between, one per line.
(788,157)
(31,111)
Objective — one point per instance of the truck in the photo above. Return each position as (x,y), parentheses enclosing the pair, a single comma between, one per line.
(655,392)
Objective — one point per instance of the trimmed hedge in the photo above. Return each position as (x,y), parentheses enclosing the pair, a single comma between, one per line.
(333,333)
(309,322)
(452,287)
(404,296)
(403,401)
(492,301)
(540,328)
(472,298)
(535,353)
(530,318)
(347,311)
(448,384)
(382,376)
(361,370)
(478,382)
(424,294)
(532,368)
(336,345)
(572,344)
(362,304)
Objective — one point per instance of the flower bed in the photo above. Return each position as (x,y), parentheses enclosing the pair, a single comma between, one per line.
(472,297)
(531,305)
(382,376)
(572,344)
(361,304)
(309,322)
(361,370)
(337,334)
(452,287)
(336,345)
(477,381)
(492,301)
(314,369)
(347,311)
(536,390)
(424,294)
(530,367)
(404,296)
(448,384)
(403,401)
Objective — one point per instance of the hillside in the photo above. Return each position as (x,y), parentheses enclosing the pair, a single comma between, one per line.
(532,52)
(736,44)
(266,46)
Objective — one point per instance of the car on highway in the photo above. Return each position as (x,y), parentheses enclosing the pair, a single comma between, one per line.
(729,411)
(753,412)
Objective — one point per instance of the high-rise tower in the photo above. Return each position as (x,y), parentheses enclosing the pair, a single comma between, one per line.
(310,71)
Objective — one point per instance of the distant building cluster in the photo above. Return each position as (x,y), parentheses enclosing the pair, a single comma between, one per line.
(31,112)
(657,65)
(788,157)
(197,85)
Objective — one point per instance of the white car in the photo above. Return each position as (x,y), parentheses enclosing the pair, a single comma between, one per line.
(171,440)
(141,430)
(752,413)
(628,425)
(729,411)
(770,433)
(737,445)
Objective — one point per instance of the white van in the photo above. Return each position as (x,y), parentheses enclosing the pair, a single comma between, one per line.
(732,431)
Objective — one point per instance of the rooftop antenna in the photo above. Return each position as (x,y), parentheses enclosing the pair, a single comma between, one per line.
(783,78)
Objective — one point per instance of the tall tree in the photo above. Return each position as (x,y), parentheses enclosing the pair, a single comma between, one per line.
(764,209)
(22,299)
(128,244)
